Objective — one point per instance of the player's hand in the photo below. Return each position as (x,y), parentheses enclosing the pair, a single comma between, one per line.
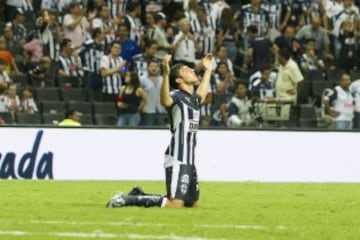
(207,61)
(166,63)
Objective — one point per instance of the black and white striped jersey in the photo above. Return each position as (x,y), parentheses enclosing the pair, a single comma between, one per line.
(205,33)
(251,18)
(135,28)
(116,7)
(71,66)
(112,83)
(277,9)
(140,64)
(184,118)
(91,54)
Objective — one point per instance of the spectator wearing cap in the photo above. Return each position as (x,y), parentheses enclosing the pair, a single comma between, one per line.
(158,34)
(75,25)
(10,9)
(18,28)
(72,119)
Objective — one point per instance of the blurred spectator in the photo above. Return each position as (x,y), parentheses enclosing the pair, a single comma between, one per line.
(204,29)
(8,57)
(10,43)
(287,40)
(3,105)
(254,14)
(228,32)
(224,80)
(10,9)
(19,31)
(297,17)
(184,45)
(70,64)
(91,52)
(39,74)
(239,107)
(355,92)
(222,56)
(49,33)
(289,79)
(106,24)
(129,48)
(339,105)
(28,103)
(279,13)
(72,119)
(131,101)
(4,77)
(140,61)
(348,57)
(117,7)
(133,22)
(154,112)
(322,41)
(263,87)
(158,34)
(110,68)
(309,60)
(13,103)
(259,51)
(76,25)
(33,46)
(170,7)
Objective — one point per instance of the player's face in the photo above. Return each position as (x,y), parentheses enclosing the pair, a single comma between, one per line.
(188,75)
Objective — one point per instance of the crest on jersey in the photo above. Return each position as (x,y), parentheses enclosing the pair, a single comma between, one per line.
(185,179)
(184,188)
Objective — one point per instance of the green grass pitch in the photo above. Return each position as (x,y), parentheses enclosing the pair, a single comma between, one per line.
(42,210)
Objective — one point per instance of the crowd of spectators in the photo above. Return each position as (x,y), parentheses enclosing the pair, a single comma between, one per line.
(274,60)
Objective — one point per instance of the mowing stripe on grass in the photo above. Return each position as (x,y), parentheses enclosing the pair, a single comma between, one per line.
(219,226)
(99,234)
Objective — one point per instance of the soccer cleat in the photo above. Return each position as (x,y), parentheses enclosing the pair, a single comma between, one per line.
(136,191)
(116,201)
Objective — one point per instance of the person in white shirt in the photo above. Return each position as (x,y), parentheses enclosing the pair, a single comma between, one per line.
(339,105)
(184,45)
(154,112)
(355,92)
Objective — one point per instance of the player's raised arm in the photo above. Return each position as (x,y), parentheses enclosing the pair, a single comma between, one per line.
(165,98)
(204,84)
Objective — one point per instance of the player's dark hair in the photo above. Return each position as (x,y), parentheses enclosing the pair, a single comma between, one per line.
(175,73)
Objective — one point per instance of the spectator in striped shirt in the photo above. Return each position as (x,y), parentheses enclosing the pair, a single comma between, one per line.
(70,64)
(19,30)
(111,67)
(91,53)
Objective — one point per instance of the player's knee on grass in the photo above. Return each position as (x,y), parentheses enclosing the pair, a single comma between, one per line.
(174,203)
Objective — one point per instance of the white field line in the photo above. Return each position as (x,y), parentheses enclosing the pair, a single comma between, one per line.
(160,225)
(218,226)
(100,234)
